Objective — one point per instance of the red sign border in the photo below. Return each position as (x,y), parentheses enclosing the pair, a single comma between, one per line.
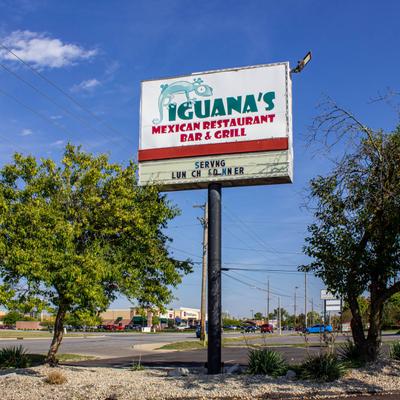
(165,153)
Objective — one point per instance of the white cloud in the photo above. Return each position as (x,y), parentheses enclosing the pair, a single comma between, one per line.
(43,51)
(87,85)
(55,117)
(58,143)
(26,132)
(111,69)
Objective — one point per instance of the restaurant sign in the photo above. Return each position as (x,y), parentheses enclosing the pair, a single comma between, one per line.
(231,126)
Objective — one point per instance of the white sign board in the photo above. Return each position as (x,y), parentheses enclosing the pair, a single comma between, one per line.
(332,302)
(326,295)
(332,308)
(231,126)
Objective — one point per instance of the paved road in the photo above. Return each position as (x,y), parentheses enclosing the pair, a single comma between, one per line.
(192,358)
(110,345)
(104,345)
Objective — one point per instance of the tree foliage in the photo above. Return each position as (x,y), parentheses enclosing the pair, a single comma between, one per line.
(354,241)
(77,234)
(258,316)
(13,316)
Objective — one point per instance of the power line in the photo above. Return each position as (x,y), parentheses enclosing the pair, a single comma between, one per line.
(252,286)
(13,144)
(255,237)
(273,291)
(185,252)
(262,250)
(51,100)
(261,264)
(93,115)
(282,271)
(35,112)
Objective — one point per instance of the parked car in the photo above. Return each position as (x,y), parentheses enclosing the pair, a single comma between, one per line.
(250,328)
(267,328)
(231,327)
(319,329)
(182,327)
(133,327)
(7,326)
(198,330)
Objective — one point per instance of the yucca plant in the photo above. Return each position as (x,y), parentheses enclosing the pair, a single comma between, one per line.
(395,351)
(350,355)
(266,362)
(13,357)
(323,368)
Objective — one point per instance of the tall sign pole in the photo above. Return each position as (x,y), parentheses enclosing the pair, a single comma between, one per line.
(214,279)
(214,129)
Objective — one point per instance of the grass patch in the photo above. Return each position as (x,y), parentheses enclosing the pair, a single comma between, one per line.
(226,342)
(74,357)
(187,345)
(22,334)
(33,360)
(39,334)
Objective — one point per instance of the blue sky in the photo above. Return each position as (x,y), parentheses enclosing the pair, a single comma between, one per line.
(99,51)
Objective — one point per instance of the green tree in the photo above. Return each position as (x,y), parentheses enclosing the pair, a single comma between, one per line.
(284,314)
(78,233)
(363,304)
(258,316)
(391,312)
(13,316)
(82,318)
(227,321)
(313,318)
(354,241)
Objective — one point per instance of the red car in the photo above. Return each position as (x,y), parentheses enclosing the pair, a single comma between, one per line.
(267,328)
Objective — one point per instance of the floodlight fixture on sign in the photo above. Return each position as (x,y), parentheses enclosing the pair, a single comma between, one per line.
(302,63)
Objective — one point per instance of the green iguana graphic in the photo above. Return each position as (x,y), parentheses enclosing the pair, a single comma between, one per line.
(168,92)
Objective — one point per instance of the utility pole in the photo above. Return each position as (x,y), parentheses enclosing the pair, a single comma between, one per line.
(279,316)
(204,222)
(312,311)
(268,301)
(305,299)
(295,315)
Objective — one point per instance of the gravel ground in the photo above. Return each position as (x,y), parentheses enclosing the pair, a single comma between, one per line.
(118,384)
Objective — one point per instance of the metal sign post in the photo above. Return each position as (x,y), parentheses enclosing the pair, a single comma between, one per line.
(214,129)
(214,279)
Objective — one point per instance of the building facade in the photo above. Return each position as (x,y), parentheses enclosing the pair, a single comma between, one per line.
(140,316)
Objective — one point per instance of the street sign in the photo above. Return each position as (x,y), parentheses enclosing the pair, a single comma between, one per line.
(333,304)
(332,308)
(232,127)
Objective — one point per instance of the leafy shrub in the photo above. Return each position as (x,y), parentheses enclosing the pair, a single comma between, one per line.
(55,378)
(266,362)
(137,367)
(323,368)
(350,354)
(395,351)
(14,357)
